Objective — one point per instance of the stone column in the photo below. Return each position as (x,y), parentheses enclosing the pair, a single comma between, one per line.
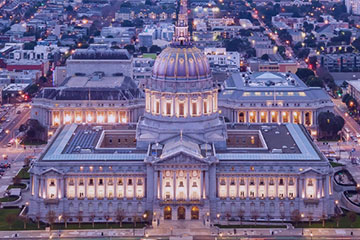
(95,188)
(76,187)
(276,186)
(125,187)
(227,187)
(44,188)
(161,185)
(61,188)
(187,186)
(174,185)
(134,186)
(201,185)
(206,184)
(266,183)
(36,183)
(105,187)
(247,187)
(86,186)
(155,185)
(286,180)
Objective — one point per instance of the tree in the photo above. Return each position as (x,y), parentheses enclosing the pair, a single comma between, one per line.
(143,49)
(356,43)
(120,216)
(65,218)
(282,216)
(79,218)
(265,57)
(135,220)
(30,45)
(24,219)
(313,81)
(10,219)
(127,23)
(284,36)
(155,49)
(282,50)
(69,9)
(37,218)
(241,214)
(51,218)
(268,217)
(255,215)
(295,217)
(16,180)
(43,79)
(92,218)
(310,218)
(337,216)
(330,123)
(352,217)
(323,219)
(130,48)
(228,216)
(304,73)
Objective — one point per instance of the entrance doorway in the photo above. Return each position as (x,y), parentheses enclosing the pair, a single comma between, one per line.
(194,213)
(167,213)
(181,213)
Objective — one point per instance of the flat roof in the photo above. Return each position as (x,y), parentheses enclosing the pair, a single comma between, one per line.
(270,86)
(246,142)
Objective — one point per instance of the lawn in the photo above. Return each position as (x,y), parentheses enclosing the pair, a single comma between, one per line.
(344,222)
(33,142)
(9,199)
(335,164)
(111,225)
(21,185)
(24,174)
(9,220)
(250,226)
(149,55)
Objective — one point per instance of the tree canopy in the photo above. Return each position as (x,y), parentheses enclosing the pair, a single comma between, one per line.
(330,123)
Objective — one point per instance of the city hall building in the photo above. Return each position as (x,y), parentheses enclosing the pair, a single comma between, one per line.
(181,160)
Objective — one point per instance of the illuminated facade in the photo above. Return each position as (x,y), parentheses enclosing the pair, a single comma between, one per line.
(267,97)
(181,161)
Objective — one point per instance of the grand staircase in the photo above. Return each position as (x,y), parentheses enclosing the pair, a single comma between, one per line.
(181,228)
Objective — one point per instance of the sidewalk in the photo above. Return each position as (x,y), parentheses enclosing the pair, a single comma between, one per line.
(139,233)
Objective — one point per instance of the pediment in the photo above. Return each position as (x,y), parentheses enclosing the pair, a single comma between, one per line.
(310,171)
(180,158)
(52,171)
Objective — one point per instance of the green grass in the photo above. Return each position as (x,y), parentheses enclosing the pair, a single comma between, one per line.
(24,174)
(96,225)
(9,199)
(16,223)
(250,226)
(33,142)
(344,222)
(335,164)
(149,55)
(21,185)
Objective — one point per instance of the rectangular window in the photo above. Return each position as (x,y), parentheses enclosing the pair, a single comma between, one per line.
(157,109)
(168,108)
(181,109)
(194,108)
(205,107)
